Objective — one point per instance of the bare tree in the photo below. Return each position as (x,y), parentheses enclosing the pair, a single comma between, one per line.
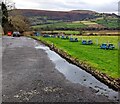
(19,23)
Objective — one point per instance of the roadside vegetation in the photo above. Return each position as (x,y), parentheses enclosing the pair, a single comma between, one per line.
(15,22)
(106,61)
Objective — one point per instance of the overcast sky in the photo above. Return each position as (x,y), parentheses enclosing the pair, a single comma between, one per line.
(67,5)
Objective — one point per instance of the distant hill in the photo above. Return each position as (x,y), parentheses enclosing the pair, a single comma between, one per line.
(59,15)
(74,14)
(41,17)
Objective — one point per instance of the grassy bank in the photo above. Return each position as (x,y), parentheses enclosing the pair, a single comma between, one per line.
(106,61)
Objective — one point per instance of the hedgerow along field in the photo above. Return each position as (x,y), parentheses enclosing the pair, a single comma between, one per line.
(106,61)
(85,33)
(67,32)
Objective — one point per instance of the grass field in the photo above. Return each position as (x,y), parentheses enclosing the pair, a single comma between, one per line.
(106,61)
(88,22)
(98,40)
(97,23)
(110,23)
(61,25)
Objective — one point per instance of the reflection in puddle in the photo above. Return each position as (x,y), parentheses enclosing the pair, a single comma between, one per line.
(77,75)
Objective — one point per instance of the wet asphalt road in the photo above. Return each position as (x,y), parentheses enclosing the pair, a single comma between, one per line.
(30,76)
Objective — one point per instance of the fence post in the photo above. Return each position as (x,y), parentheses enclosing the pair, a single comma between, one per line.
(118,45)
(97,41)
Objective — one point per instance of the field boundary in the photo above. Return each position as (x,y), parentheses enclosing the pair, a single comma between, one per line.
(111,82)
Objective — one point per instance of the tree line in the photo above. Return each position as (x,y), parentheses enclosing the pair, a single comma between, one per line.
(15,22)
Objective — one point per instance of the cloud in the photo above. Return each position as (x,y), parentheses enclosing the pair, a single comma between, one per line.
(66,5)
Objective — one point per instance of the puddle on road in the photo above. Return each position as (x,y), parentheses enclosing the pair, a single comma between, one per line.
(77,75)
